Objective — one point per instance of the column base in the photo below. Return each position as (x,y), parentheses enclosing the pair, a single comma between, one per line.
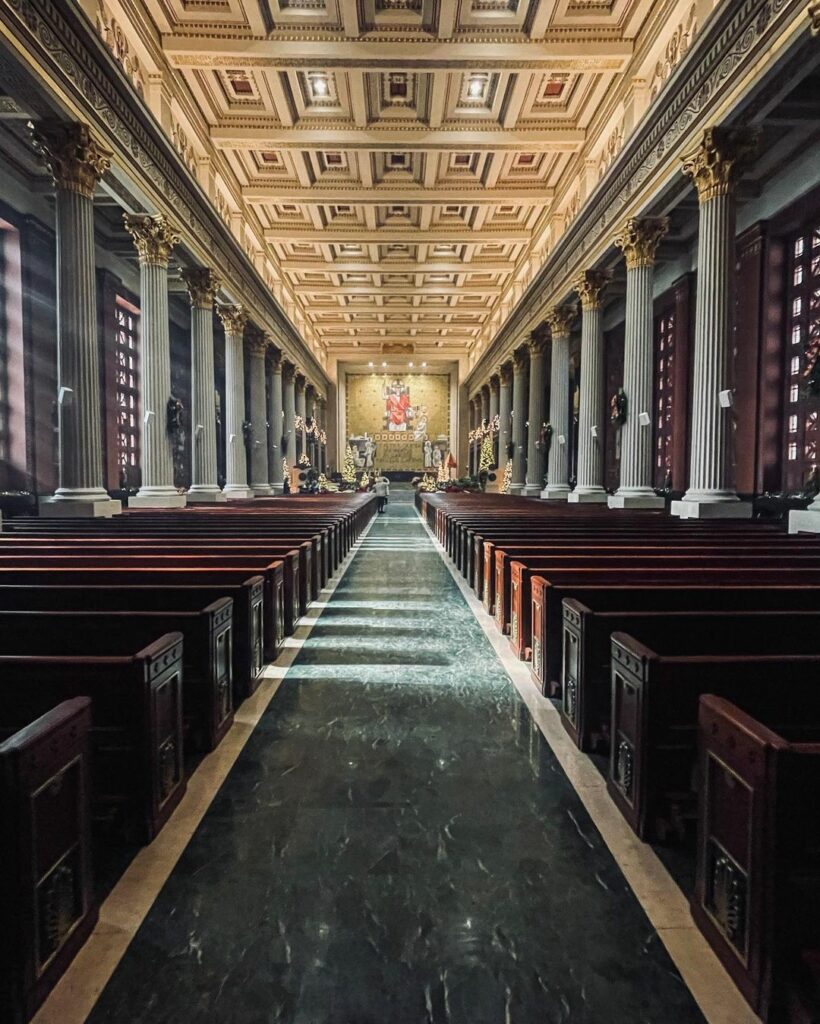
(232,491)
(158,499)
(205,496)
(78,508)
(560,492)
(804,521)
(694,509)
(277,488)
(517,489)
(531,491)
(597,497)
(636,499)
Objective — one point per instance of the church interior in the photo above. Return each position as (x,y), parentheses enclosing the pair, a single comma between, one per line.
(409,511)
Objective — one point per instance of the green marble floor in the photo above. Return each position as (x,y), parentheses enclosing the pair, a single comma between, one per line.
(396,843)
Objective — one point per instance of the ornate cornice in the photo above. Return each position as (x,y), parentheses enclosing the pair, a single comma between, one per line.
(154,238)
(202,284)
(590,286)
(560,320)
(639,240)
(74,158)
(714,165)
(234,319)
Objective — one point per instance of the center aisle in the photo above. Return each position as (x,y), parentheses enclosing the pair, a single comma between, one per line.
(396,844)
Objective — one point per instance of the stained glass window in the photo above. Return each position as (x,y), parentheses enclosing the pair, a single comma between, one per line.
(801,427)
(126,355)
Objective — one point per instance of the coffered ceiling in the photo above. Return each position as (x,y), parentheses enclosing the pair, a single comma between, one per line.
(408,164)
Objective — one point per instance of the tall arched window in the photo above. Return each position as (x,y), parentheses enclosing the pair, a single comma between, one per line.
(802,355)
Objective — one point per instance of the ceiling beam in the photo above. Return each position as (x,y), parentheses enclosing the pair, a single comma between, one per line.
(550,138)
(387,234)
(393,289)
(409,195)
(581,50)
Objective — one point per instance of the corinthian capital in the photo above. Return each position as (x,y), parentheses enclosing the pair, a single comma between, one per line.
(589,287)
(537,344)
(76,161)
(714,165)
(560,320)
(202,284)
(257,343)
(153,237)
(233,319)
(639,240)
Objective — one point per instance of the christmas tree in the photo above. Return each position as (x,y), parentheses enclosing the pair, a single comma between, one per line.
(349,467)
(507,482)
(442,472)
(485,462)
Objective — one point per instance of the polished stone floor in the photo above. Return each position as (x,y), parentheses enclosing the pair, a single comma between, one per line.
(396,844)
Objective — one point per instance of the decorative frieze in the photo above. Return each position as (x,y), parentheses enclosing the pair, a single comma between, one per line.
(676,49)
(117,42)
(154,237)
(74,158)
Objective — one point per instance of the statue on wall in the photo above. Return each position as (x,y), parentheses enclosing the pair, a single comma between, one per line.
(369,451)
(436,457)
(428,454)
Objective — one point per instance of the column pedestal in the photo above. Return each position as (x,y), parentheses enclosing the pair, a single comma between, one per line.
(728,508)
(577,497)
(146,499)
(637,500)
(205,496)
(560,492)
(77,507)
(805,521)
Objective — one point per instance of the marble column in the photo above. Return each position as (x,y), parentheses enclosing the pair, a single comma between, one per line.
(310,422)
(202,284)
(276,423)
(505,372)
(471,422)
(154,239)
(713,169)
(233,320)
(639,242)
(301,437)
(494,385)
(536,415)
(520,402)
(320,426)
(257,346)
(484,397)
(76,162)
(289,411)
(560,320)
(590,484)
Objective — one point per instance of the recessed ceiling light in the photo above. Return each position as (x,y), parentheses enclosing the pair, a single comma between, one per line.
(384,364)
(410,365)
(369,364)
(320,87)
(476,87)
(424,364)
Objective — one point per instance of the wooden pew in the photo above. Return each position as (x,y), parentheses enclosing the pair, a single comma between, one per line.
(757,890)
(280,572)
(136,736)
(45,849)
(208,705)
(247,624)
(586,708)
(704,569)
(655,693)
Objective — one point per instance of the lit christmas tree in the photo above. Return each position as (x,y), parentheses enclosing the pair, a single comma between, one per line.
(485,461)
(507,481)
(442,472)
(349,467)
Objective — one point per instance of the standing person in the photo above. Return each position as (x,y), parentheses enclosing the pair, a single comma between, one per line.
(382,490)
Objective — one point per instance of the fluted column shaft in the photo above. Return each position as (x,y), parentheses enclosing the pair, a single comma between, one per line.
(202,287)
(259,420)
(710,471)
(485,403)
(638,241)
(520,403)
(590,482)
(494,384)
(557,487)
(76,163)
(277,426)
(504,411)
(536,453)
(289,409)
(301,447)
(472,423)
(236,469)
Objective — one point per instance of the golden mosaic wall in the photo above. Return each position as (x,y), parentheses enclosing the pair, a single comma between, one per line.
(420,402)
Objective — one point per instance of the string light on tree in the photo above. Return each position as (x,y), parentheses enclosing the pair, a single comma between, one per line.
(349,467)
(507,481)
